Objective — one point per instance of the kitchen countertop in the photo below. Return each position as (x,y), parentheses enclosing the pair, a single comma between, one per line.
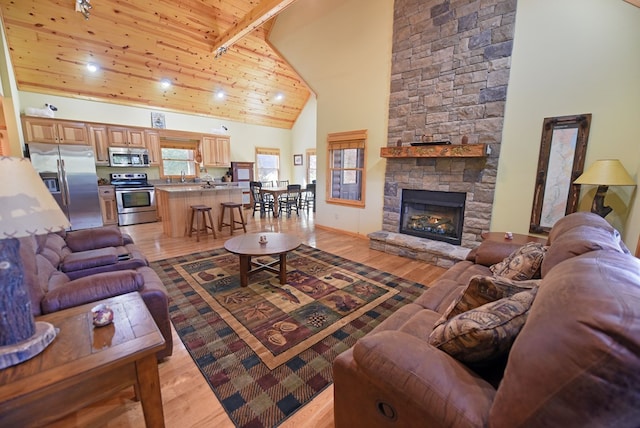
(194,187)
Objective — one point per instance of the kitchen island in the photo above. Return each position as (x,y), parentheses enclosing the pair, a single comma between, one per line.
(174,204)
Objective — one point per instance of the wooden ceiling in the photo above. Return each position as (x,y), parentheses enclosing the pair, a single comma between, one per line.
(137,43)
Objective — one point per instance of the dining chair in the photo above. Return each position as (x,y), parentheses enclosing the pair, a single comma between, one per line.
(261,202)
(290,200)
(308,198)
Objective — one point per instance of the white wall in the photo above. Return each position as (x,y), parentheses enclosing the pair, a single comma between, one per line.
(571,57)
(304,137)
(342,48)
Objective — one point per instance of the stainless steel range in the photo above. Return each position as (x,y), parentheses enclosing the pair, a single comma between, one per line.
(135,198)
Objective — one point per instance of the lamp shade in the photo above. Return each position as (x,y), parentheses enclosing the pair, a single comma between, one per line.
(26,205)
(606,172)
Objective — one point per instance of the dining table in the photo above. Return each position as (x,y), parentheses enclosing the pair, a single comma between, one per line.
(275,192)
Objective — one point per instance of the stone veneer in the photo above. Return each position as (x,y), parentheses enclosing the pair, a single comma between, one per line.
(450,69)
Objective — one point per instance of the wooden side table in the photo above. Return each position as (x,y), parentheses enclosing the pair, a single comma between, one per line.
(85,364)
(517,238)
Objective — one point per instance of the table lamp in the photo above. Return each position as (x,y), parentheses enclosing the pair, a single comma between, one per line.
(604,173)
(26,208)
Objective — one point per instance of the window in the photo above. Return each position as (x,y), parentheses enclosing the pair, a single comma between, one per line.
(267,164)
(311,165)
(346,168)
(176,158)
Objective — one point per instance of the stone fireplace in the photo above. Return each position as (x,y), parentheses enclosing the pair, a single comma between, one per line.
(433,215)
(450,70)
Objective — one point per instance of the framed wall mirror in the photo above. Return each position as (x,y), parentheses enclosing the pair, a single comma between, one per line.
(562,151)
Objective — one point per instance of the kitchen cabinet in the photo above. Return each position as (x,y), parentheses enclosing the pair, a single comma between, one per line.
(153,145)
(100,142)
(126,137)
(43,130)
(242,173)
(216,151)
(108,205)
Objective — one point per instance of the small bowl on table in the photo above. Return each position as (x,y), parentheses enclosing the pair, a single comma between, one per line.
(102,315)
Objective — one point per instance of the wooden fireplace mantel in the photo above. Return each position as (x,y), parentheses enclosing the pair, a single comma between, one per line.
(436,151)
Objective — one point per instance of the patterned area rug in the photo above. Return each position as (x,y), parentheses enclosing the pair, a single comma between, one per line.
(267,349)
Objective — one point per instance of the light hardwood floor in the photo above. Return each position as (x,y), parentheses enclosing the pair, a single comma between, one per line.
(187,398)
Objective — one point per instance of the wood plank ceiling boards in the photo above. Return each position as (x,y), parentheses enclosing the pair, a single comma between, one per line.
(138,43)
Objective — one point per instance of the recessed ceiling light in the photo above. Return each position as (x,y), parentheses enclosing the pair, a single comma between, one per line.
(279,96)
(165,83)
(92,67)
(220,94)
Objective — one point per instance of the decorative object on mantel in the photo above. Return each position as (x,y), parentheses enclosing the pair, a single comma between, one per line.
(604,173)
(28,209)
(435,151)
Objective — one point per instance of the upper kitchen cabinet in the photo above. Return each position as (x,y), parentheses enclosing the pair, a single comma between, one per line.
(216,151)
(43,130)
(153,145)
(100,142)
(126,137)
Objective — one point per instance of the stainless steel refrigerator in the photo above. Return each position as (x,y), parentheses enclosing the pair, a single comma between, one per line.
(69,172)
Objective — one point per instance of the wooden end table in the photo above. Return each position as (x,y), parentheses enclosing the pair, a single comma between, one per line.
(85,364)
(517,238)
(247,246)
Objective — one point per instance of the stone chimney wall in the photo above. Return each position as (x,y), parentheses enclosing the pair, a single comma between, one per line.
(450,70)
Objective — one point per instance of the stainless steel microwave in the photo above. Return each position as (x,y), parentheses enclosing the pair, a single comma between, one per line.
(122,156)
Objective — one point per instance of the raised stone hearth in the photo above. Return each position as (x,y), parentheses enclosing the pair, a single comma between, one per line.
(433,252)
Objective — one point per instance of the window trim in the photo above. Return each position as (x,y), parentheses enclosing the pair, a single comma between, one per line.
(275,151)
(191,145)
(308,154)
(347,140)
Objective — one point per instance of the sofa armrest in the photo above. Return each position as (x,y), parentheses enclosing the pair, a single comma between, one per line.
(91,288)
(491,252)
(90,239)
(89,259)
(416,374)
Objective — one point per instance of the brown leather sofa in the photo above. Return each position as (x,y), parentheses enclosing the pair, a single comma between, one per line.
(575,363)
(63,270)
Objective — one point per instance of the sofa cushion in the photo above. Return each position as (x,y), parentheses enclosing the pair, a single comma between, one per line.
(576,362)
(485,289)
(522,264)
(89,259)
(484,333)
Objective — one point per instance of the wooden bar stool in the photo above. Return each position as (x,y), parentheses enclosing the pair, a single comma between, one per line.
(232,221)
(198,212)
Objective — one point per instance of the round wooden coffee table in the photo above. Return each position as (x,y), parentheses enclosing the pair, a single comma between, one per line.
(248,245)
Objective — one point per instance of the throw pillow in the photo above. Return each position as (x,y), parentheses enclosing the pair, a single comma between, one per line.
(486,332)
(485,289)
(524,263)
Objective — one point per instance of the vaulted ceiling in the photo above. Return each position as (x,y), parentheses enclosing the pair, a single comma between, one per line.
(137,43)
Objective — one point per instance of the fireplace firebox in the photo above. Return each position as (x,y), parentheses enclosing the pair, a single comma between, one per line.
(433,215)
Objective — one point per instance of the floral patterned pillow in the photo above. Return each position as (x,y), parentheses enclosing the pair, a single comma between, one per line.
(524,263)
(486,332)
(485,289)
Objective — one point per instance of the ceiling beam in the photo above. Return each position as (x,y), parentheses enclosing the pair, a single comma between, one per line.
(256,17)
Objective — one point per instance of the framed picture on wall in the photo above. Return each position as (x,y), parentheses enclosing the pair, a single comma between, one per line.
(297,159)
(157,120)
